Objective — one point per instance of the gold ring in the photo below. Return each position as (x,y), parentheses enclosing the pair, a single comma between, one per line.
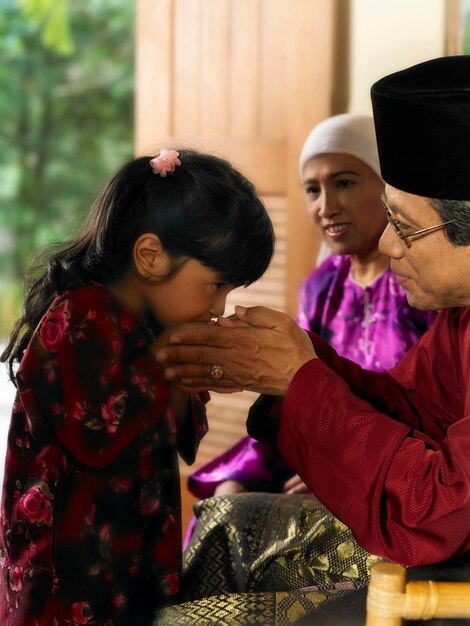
(216,372)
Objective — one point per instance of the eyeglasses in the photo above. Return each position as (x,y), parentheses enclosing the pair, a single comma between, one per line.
(395,224)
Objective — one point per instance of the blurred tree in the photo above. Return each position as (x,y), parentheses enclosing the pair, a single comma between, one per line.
(53,17)
(66,104)
(466,29)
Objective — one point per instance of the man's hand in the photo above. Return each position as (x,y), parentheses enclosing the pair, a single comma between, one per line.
(259,349)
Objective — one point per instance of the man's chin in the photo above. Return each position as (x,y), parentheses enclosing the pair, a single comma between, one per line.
(421,302)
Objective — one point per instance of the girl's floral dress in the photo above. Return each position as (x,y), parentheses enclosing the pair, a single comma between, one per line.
(90,515)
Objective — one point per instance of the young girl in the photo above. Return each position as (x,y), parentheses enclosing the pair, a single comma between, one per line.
(90,518)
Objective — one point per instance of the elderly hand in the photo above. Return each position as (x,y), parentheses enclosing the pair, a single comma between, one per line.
(260,350)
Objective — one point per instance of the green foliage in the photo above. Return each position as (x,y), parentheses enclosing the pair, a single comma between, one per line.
(10,305)
(466,30)
(66,80)
(52,16)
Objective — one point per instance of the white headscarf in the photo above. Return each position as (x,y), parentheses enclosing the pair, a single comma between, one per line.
(347,133)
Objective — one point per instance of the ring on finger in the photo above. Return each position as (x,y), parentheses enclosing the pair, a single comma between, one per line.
(216,372)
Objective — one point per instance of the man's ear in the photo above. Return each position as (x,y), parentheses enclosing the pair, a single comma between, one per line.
(150,259)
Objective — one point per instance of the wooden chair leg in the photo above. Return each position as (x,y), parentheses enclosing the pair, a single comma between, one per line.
(385,595)
(427,599)
(390,598)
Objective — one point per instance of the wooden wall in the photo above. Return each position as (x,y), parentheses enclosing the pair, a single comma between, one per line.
(246,79)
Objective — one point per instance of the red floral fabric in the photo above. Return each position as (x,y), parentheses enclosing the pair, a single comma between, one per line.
(90,516)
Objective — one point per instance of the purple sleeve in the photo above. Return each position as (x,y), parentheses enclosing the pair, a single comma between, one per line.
(254,464)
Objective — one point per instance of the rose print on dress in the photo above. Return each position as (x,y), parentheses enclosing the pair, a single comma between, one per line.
(150,498)
(171,584)
(81,613)
(79,410)
(16,578)
(119,601)
(144,385)
(54,326)
(113,411)
(35,505)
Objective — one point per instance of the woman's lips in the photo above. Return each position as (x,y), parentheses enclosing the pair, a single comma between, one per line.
(335,230)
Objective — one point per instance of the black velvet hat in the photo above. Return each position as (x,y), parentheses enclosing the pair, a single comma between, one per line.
(422,123)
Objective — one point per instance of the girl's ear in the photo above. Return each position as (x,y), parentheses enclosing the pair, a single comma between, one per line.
(150,259)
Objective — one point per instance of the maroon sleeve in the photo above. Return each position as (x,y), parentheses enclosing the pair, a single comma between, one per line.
(380,450)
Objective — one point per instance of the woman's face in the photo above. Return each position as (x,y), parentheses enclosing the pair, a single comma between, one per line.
(342,194)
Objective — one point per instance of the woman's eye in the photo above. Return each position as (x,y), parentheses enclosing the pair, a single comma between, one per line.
(217,286)
(311,190)
(345,183)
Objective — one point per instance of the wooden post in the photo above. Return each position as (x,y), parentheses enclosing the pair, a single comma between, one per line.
(385,595)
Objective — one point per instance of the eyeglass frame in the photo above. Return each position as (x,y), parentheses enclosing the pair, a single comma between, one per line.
(398,231)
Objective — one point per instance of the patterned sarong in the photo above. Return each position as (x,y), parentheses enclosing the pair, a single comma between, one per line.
(266,559)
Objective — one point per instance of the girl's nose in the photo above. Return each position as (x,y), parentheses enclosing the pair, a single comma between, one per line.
(218,306)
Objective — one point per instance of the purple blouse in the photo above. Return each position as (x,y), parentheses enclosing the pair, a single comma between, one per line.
(373,326)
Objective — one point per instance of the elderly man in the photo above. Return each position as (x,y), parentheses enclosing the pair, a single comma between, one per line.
(387,454)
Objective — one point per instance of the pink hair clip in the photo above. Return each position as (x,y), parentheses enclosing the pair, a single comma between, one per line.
(165,162)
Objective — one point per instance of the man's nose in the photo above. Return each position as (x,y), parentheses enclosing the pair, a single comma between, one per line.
(390,244)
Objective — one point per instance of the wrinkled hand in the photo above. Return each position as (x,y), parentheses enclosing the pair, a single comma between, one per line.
(259,349)
(295,485)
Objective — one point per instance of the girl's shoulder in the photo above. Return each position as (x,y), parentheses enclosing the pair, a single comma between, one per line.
(83,297)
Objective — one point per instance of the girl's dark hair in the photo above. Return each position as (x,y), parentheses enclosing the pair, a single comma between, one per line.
(205,210)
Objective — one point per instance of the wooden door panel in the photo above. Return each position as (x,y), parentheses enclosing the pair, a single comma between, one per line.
(244,79)
(244,82)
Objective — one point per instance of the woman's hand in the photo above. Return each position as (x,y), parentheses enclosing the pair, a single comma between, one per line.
(295,485)
(259,349)
(228,487)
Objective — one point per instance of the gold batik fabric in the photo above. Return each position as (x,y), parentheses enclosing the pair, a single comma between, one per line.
(280,608)
(270,559)
(269,542)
